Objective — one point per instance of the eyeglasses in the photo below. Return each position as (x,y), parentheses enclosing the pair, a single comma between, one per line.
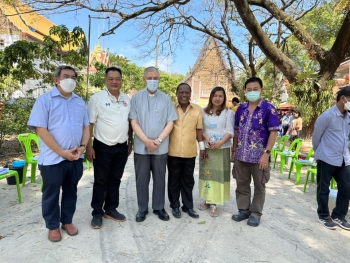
(65,76)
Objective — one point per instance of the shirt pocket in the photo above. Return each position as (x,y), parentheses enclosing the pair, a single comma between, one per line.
(79,114)
(191,120)
(257,124)
(160,116)
(79,122)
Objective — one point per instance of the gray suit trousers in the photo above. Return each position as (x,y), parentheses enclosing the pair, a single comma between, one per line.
(144,165)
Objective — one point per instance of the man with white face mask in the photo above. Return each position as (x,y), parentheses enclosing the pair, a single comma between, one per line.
(152,115)
(256,127)
(61,122)
(108,112)
(330,142)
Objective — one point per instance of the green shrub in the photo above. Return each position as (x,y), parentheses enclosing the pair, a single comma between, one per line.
(13,117)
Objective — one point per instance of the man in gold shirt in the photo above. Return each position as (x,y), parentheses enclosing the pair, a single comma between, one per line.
(183,151)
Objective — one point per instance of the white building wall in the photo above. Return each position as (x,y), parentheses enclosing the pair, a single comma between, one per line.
(8,39)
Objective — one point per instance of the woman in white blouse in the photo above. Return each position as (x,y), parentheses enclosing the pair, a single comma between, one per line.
(214,169)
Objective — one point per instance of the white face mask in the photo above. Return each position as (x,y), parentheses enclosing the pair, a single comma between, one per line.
(68,85)
(152,84)
(347,105)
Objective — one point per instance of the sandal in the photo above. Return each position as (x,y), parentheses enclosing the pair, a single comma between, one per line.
(214,212)
(203,206)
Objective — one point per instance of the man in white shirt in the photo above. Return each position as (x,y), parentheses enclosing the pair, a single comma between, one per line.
(108,112)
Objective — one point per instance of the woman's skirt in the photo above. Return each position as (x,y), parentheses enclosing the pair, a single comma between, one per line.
(214,176)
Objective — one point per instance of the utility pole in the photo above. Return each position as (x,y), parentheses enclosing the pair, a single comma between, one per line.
(157,36)
(88,55)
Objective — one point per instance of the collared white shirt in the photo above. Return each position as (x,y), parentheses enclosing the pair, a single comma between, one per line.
(109,116)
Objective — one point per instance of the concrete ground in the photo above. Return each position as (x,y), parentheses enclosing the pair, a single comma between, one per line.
(289,230)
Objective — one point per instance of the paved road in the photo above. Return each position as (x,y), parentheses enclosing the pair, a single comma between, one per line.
(289,231)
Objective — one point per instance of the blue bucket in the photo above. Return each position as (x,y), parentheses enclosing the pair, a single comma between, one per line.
(18,163)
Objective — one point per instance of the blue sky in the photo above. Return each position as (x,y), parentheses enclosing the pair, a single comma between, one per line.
(122,42)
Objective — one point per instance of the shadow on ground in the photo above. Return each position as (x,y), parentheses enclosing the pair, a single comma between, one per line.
(289,231)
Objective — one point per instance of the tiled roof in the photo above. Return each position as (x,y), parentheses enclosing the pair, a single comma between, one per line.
(28,21)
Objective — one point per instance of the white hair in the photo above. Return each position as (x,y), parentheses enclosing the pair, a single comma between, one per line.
(150,69)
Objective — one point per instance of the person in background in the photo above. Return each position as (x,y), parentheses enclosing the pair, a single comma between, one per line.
(109,122)
(235,104)
(296,126)
(214,169)
(330,142)
(152,118)
(61,121)
(256,130)
(285,120)
(183,151)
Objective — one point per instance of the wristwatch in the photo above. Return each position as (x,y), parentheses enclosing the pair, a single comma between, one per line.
(267,151)
(159,139)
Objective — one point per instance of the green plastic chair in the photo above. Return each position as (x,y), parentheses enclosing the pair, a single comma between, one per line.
(15,174)
(295,163)
(88,165)
(289,153)
(86,161)
(279,146)
(313,172)
(25,140)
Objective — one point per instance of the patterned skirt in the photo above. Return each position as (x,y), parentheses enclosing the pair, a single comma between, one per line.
(214,176)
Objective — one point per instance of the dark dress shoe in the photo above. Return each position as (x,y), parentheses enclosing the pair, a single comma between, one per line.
(240,216)
(253,221)
(162,214)
(176,212)
(115,215)
(190,212)
(141,216)
(96,222)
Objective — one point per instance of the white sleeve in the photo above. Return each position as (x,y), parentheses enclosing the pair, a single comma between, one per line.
(230,122)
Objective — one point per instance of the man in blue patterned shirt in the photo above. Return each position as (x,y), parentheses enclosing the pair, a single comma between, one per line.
(256,127)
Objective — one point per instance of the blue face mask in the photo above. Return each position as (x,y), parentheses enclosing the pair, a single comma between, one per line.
(253,96)
(152,84)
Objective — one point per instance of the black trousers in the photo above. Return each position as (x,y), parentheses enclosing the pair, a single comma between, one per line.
(144,165)
(285,129)
(180,180)
(341,175)
(109,164)
(65,174)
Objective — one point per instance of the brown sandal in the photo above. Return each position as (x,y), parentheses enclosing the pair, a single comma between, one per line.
(214,212)
(203,206)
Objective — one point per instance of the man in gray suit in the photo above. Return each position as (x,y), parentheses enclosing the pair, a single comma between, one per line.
(152,115)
